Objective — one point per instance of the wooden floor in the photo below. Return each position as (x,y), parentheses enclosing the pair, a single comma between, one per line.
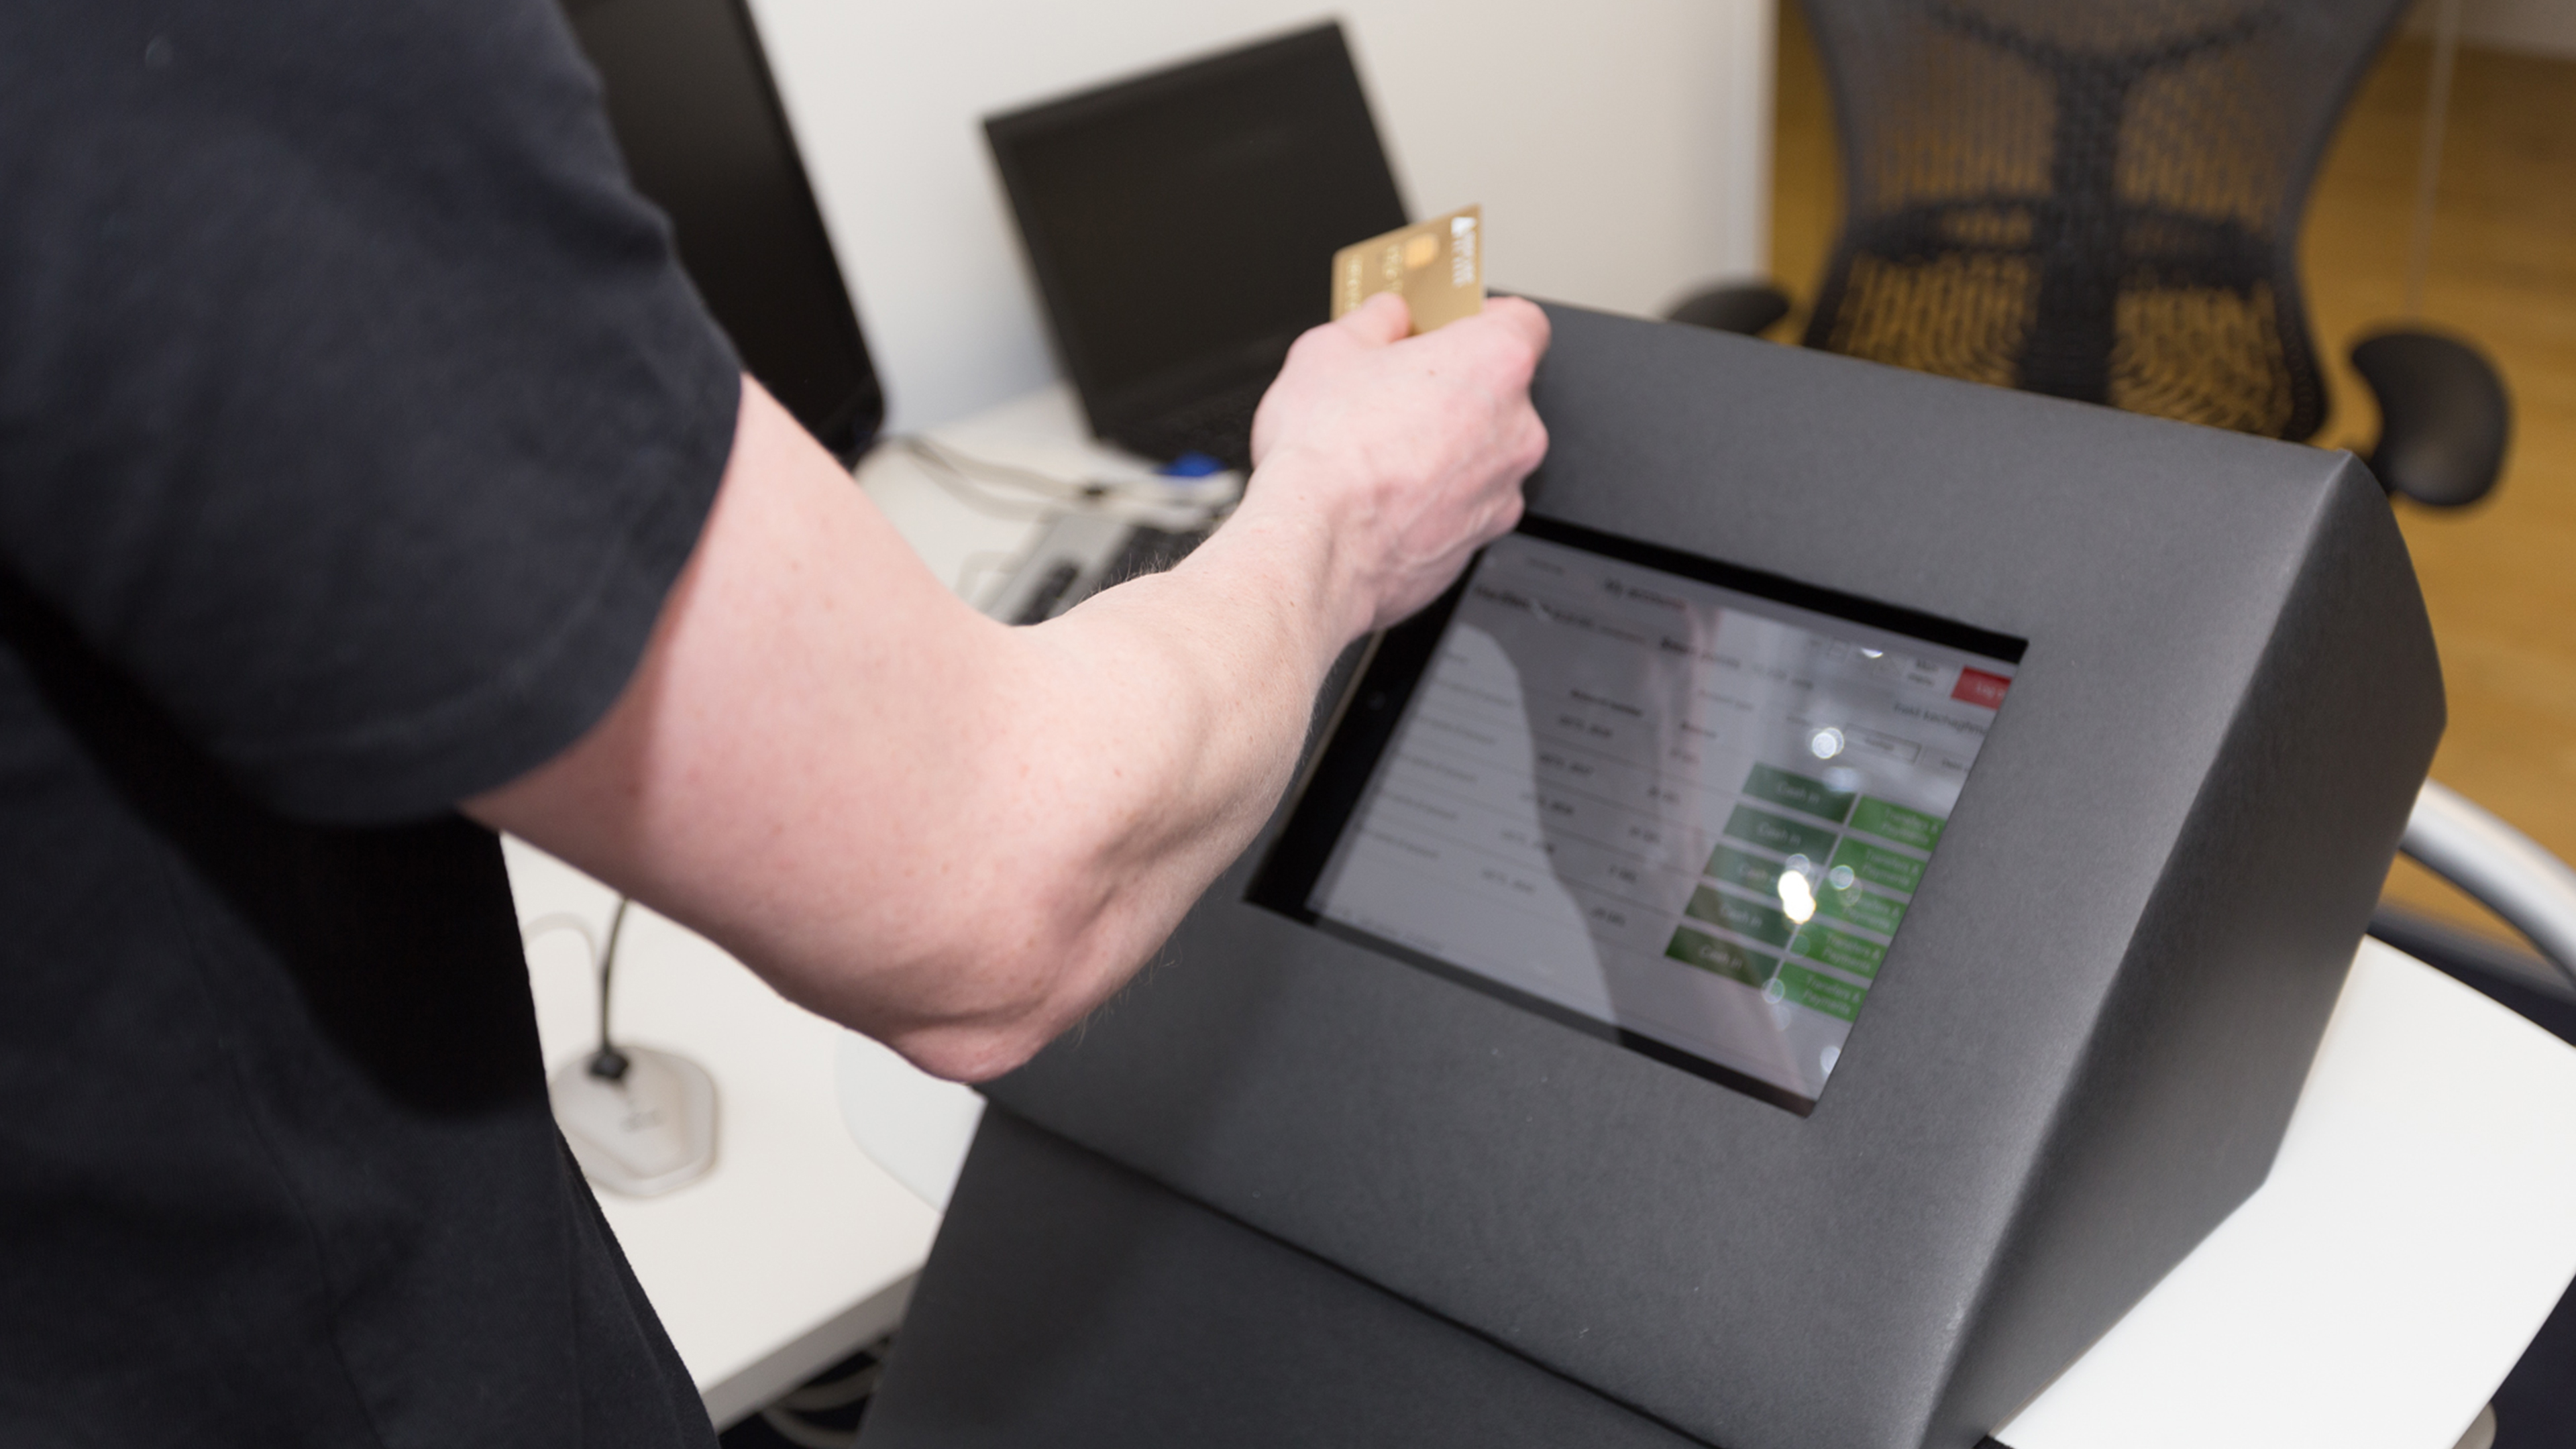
(2500,578)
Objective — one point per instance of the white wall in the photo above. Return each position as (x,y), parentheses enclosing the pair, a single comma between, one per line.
(1621,148)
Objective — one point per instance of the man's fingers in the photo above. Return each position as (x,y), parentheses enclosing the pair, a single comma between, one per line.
(1523,318)
(1509,332)
(1381,321)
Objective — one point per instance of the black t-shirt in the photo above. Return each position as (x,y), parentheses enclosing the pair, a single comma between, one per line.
(354,423)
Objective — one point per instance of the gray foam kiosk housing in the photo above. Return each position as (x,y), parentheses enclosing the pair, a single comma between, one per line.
(1290,1190)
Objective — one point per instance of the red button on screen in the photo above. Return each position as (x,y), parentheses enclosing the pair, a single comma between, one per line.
(1977,687)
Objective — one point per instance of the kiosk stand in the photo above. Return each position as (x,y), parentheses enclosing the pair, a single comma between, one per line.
(1785,955)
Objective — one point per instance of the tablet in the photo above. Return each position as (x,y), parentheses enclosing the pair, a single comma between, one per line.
(1668,801)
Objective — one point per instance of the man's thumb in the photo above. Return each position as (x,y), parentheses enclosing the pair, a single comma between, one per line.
(1379,321)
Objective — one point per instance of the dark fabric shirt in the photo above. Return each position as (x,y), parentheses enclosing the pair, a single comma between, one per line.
(354,423)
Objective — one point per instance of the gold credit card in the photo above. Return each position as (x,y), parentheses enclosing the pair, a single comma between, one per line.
(1439,266)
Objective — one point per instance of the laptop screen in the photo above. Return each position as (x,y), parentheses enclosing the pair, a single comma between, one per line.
(706,140)
(1182,225)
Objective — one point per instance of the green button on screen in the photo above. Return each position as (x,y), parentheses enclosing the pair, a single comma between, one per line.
(1797,792)
(1895,822)
(1725,958)
(1860,908)
(1789,837)
(1818,992)
(1751,872)
(1739,915)
(1839,949)
(1880,866)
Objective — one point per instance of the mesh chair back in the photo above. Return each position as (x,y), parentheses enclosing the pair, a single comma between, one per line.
(2097,199)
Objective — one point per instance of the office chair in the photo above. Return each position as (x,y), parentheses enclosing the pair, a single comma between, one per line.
(2101,202)
(2502,869)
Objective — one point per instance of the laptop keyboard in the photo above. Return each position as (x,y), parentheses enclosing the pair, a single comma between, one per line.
(1147,551)
(1048,585)
(1048,599)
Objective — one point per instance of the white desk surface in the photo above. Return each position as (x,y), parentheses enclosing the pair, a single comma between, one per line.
(795,1249)
(2418,1227)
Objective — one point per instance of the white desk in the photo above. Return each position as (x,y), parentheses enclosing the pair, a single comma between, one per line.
(795,1249)
(2418,1227)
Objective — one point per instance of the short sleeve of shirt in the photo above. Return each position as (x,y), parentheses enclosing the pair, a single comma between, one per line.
(351,403)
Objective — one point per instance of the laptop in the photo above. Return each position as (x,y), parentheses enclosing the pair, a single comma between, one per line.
(705,139)
(1182,225)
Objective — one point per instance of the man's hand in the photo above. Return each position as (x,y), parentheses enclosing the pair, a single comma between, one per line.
(959,837)
(1411,449)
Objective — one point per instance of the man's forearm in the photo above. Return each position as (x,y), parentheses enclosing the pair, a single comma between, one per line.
(959,837)
(953,835)
(1168,772)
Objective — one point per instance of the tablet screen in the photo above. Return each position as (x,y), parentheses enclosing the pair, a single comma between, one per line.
(1679,804)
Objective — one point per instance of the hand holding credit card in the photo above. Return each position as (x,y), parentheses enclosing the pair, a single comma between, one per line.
(1409,452)
(1438,266)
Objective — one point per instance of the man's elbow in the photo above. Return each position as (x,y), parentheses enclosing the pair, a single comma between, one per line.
(1005,1001)
(1017,976)
(970,1052)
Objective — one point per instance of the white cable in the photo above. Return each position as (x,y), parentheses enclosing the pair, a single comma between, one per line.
(563,921)
(2506,870)
(963,486)
(981,566)
(1006,490)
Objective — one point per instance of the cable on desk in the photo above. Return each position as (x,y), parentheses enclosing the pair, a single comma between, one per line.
(608,1062)
(982,564)
(957,474)
(562,921)
(973,481)
(827,1412)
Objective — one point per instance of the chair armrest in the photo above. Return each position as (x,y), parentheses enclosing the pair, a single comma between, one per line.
(2444,416)
(1744,307)
(2503,869)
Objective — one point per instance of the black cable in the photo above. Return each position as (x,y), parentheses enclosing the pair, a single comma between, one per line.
(608,1062)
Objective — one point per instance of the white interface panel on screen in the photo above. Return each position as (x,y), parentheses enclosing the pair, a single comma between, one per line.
(1690,814)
